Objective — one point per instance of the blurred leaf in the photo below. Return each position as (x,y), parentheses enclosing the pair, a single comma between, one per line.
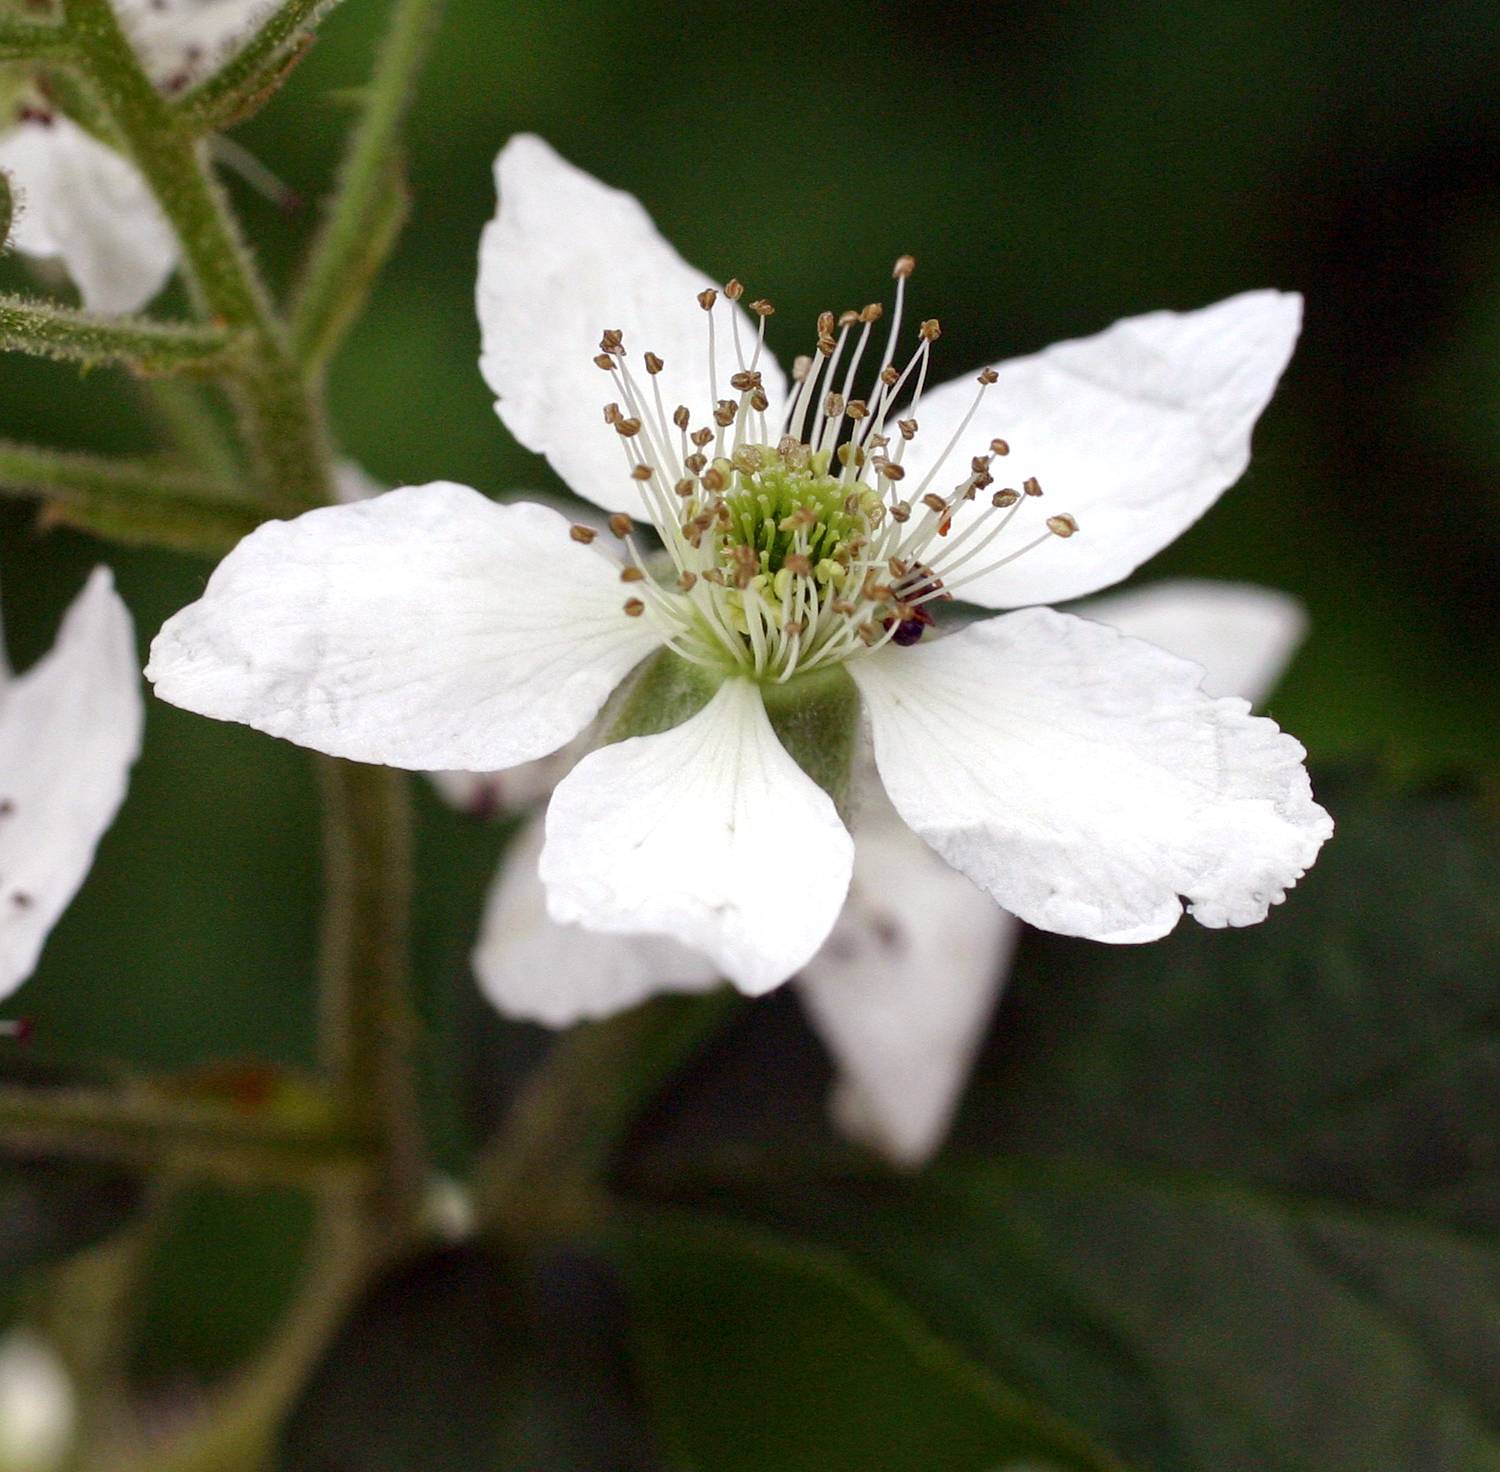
(51,1208)
(462,1360)
(769,1356)
(1242,1203)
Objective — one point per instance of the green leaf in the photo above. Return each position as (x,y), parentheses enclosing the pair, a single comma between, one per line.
(1231,1201)
(463,1359)
(767,1356)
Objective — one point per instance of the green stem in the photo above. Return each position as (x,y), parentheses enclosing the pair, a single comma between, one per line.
(35,470)
(32,41)
(368,1028)
(149,1129)
(47,331)
(245,81)
(368,203)
(280,413)
(544,1174)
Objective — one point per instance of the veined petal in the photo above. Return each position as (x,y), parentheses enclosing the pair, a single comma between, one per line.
(1135,433)
(70,727)
(429,628)
(1086,781)
(532,967)
(84,204)
(564,258)
(1243,636)
(709,833)
(903,989)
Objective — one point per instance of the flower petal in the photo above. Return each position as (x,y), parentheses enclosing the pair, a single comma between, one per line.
(564,258)
(1135,432)
(428,628)
(903,989)
(1243,636)
(181,42)
(1086,781)
(83,203)
(70,727)
(709,833)
(532,967)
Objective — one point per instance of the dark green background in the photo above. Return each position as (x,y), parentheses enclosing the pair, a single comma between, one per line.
(1053,168)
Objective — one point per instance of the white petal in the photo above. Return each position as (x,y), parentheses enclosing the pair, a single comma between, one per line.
(429,628)
(709,833)
(503,794)
(181,42)
(903,989)
(38,1405)
(564,258)
(1086,781)
(532,967)
(81,202)
(70,727)
(1243,636)
(1135,432)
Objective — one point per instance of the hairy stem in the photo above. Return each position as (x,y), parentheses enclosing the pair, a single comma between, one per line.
(47,331)
(369,202)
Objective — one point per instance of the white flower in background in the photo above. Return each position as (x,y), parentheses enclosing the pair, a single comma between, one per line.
(1083,778)
(70,728)
(79,202)
(903,989)
(38,1405)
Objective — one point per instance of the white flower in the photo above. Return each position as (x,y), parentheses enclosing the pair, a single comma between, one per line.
(38,1405)
(1083,778)
(79,202)
(903,989)
(70,728)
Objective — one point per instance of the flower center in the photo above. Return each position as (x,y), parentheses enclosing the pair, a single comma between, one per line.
(799,549)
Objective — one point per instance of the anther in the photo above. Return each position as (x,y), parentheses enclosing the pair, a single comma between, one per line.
(634,607)
(935,503)
(621,525)
(642,472)
(686,580)
(707,297)
(888,471)
(1004,498)
(733,289)
(799,564)
(1061,526)
(889,376)
(584,534)
(696,462)
(999,447)
(758,400)
(857,409)
(1032,486)
(903,268)
(848,318)
(988,376)
(871,313)
(833,405)
(631,574)
(701,437)
(908,428)
(762,308)
(612,414)
(713,479)
(800,366)
(654,365)
(745,379)
(613,340)
(825,324)
(604,361)
(680,416)
(685,487)
(725,413)
(627,427)
(930,330)
(901,512)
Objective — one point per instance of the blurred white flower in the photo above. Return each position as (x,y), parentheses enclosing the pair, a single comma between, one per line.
(79,202)
(1082,778)
(38,1408)
(70,728)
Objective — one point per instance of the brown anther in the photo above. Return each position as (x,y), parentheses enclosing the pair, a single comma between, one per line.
(908,428)
(762,308)
(733,289)
(722,514)
(685,580)
(857,409)
(1032,486)
(654,365)
(627,427)
(870,632)
(685,487)
(798,564)
(833,405)
(901,512)
(680,416)
(603,360)
(979,464)
(748,458)
(841,605)
(744,379)
(631,574)
(725,413)
(621,525)
(1062,526)
(934,502)
(1004,498)
(634,607)
(930,330)
(715,576)
(713,479)
(612,414)
(758,400)
(794,626)
(642,472)
(701,437)
(878,441)
(800,365)
(981,482)
(904,266)
(696,462)
(999,447)
(988,376)
(613,340)
(873,312)
(826,345)
(825,324)
(848,318)
(584,534)
(888,471)
(899,569)
(707,297)
(888,376)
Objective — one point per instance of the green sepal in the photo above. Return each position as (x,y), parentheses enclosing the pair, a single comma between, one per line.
(815,716)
